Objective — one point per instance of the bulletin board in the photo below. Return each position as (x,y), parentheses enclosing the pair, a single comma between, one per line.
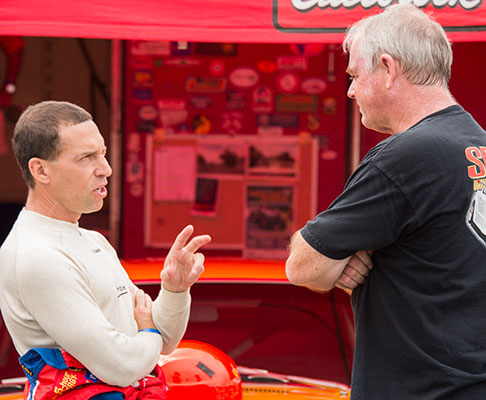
(180,95)
(248,193)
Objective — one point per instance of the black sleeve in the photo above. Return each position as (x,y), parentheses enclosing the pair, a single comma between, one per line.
(370,214)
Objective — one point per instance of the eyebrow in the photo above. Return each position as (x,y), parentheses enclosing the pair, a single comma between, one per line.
(92,152)
(349,71)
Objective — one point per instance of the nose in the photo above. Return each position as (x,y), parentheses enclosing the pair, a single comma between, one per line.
(104,168)
(350,92)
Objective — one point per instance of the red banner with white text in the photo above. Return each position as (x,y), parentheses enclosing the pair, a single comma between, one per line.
(251,21)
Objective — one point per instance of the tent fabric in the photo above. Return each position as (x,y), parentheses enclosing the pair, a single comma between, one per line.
(259,21)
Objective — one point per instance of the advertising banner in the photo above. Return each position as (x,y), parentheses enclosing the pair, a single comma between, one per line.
(249,21)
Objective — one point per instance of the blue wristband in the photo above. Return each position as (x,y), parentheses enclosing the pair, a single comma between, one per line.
(150,330)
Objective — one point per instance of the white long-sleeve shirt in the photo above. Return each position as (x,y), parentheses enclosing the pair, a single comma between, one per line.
(63,286)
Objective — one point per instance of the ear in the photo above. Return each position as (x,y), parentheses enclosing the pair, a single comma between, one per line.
(390,65)
(39,169)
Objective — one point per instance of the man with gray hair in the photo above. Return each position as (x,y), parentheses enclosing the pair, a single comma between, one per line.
(416,203)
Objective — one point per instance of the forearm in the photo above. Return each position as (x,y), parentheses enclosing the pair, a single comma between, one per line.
(307,267)
(170,313)
(68,317)
(116,358)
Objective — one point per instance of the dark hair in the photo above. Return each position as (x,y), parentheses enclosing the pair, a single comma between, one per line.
(36,133)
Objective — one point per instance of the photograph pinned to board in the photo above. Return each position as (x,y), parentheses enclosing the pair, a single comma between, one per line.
(221,157)
(207,197)
(269,221)
(272,158)
(174,173)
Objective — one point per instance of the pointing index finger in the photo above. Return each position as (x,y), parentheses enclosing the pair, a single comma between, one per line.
(182,238)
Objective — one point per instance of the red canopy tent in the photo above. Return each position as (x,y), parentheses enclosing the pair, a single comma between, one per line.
(251,21)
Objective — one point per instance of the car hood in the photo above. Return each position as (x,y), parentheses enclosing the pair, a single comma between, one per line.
(261,384)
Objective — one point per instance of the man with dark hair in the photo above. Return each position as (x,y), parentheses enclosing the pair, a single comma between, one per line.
(62,286)
(420,314)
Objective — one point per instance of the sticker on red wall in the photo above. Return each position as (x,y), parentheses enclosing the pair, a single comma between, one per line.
(143,78)
(288,82)
(147,113)
(244,77)
(136,190)
(201,102)
(201,124)
(182,62)
(267,66)
(313,122)
(283,120)
(172,117)
(141,62)
(329,106)
(180,48)
(171,104)
(142,94)
(307,103)
(313,86)
(183,128)
(262,99)
(292,63)
(134,171)
(146,126)
(270,131)
(232,122)
(216,67)
(205,85)
(153,48)
(329,155)
(307,49)
(133,142)
(216,49)
(235,100)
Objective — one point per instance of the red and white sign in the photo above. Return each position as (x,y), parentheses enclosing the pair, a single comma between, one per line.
(276,21)
(331,16)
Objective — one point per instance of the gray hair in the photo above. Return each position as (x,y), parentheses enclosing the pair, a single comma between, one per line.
(36,132)
(411,37)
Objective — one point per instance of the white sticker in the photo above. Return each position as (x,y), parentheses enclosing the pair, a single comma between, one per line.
(244,77)
(313,86)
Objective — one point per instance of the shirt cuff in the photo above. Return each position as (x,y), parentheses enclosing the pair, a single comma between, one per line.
(175,301)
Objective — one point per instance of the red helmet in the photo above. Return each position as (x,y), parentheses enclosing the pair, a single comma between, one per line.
(197,370)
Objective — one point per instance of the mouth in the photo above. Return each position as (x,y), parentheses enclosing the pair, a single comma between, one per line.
(101,191)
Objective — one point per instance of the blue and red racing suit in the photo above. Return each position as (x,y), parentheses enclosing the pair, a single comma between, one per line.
(55,374)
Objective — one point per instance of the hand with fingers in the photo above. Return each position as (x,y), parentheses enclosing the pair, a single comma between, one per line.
(184,264)
(142,310)
(355,271)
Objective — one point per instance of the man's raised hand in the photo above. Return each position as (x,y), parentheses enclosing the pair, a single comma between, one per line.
(183,265)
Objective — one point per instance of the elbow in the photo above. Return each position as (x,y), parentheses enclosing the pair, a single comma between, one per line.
(168,349)
(171,343)
(125,369)
(124,376)
(293,272)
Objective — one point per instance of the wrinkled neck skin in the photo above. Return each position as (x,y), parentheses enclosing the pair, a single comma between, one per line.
(39,201)
(410,103)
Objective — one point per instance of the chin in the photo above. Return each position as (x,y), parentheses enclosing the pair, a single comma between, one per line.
(373,127)
(93,209)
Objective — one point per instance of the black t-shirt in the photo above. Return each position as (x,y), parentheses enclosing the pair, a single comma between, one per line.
(417,201)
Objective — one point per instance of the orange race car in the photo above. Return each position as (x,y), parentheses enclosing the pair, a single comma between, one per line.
(252,336)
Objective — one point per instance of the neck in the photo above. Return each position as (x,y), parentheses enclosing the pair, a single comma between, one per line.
(417,102)
(38,202)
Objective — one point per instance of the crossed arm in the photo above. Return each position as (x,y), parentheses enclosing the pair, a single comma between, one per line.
(309,268)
